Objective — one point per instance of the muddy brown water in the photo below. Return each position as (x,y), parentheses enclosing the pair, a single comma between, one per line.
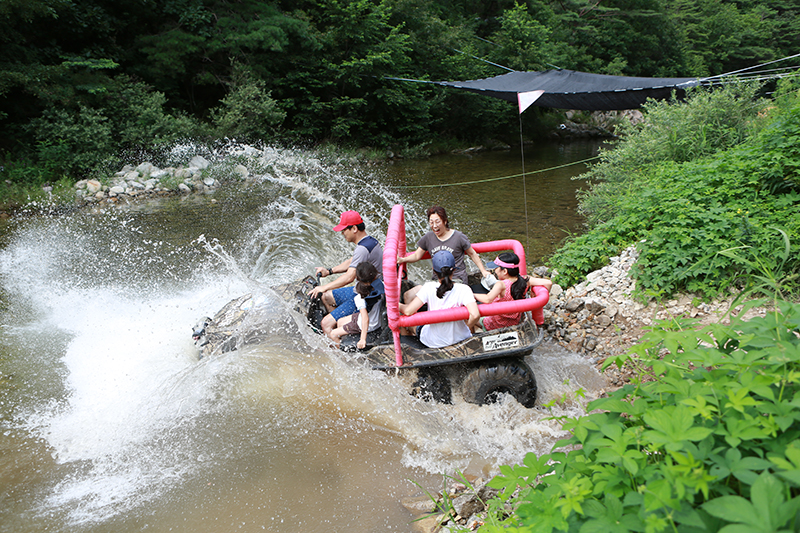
(109,422)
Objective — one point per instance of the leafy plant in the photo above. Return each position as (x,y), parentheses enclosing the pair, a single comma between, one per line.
(711,444)
(247,112)
(681,214)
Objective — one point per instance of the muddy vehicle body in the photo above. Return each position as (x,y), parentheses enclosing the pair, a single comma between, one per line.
(480,369)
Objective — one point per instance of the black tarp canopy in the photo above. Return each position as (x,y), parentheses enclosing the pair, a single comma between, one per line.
(569,89)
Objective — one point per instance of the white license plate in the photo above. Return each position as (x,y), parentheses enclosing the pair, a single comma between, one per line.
(501,341)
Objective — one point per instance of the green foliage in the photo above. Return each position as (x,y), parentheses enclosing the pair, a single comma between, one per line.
(682,207)
(710,444)
(159,70)
(247,112)
(706,123)
(521,40)
(73,142)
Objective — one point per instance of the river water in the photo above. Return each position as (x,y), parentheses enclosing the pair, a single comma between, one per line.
(109,422)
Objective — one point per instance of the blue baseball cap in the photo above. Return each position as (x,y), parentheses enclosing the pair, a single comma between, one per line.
(442,259)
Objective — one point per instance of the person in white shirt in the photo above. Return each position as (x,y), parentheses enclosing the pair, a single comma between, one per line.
(444,294)
(369,291)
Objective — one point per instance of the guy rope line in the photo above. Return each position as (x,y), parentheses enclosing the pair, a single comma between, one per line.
(493,179)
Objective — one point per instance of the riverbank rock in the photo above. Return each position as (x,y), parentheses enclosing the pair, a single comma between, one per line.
(460,507)
(147,180)
(601,124)
(599,317)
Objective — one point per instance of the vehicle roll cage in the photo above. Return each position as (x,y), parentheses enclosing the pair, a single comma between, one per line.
(395,247)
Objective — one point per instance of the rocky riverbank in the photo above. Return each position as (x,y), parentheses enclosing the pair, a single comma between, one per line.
(147,180)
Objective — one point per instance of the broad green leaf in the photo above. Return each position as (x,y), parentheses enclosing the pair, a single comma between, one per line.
(732,509)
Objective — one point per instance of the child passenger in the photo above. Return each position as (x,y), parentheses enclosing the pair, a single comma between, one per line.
(510,286)
(369,290)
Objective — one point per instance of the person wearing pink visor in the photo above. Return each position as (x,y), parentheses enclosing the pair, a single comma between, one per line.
(510,286)
(337,296)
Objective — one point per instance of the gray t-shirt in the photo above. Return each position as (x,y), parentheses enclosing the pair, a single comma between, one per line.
(457,244)
(363,253)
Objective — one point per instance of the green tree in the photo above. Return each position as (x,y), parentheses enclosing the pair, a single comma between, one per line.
(247,112)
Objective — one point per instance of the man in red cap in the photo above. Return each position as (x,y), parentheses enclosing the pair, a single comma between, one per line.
(336,295)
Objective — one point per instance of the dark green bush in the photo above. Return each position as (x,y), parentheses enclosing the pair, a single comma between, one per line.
(247,113)
(73,142)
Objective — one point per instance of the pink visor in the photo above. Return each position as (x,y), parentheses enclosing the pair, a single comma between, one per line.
(498,263)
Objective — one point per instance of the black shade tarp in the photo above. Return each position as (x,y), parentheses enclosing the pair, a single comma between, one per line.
(569,89)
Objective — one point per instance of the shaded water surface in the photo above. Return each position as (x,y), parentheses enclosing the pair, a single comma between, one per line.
(109,422)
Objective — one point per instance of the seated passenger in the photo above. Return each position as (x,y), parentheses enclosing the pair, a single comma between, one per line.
(369,291)
(510,286)
(444,294)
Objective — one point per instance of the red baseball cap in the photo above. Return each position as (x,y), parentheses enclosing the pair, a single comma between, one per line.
(348,218)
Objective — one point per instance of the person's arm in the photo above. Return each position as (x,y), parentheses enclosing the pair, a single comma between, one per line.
(411,258)
(477,260)
(411,308)
(496,291)
(345,279)
(364,316)
(327,271)
(474,315)
(542,282)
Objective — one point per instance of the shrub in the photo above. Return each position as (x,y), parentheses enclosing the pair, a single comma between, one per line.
(711,444)
(247,112)
(705,123)
(72,142)
(682,213)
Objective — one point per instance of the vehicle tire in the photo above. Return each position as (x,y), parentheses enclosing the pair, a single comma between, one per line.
(488,381)
(432,385)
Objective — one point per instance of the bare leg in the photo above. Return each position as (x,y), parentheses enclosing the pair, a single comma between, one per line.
(339,332)
(327,324)
(328,301)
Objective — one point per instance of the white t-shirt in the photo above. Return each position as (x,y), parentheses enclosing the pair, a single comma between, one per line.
(444,333)
(374,313)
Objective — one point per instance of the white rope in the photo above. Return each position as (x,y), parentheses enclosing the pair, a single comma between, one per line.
(524,189)
(749,68)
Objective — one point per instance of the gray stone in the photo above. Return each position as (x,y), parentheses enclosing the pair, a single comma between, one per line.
(467,505)
(117,189)
(93,186)
(556,291)
(200,162)
(184,189)
(574,304)
(146,169)
(603,321)
(241,171)
(419,504)
(594,306)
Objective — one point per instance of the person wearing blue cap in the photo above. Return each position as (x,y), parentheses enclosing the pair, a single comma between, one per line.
(444,294)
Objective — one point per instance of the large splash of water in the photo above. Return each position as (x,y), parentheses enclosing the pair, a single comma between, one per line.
(97,318)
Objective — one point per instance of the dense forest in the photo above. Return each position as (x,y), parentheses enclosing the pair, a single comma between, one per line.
(81,82)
